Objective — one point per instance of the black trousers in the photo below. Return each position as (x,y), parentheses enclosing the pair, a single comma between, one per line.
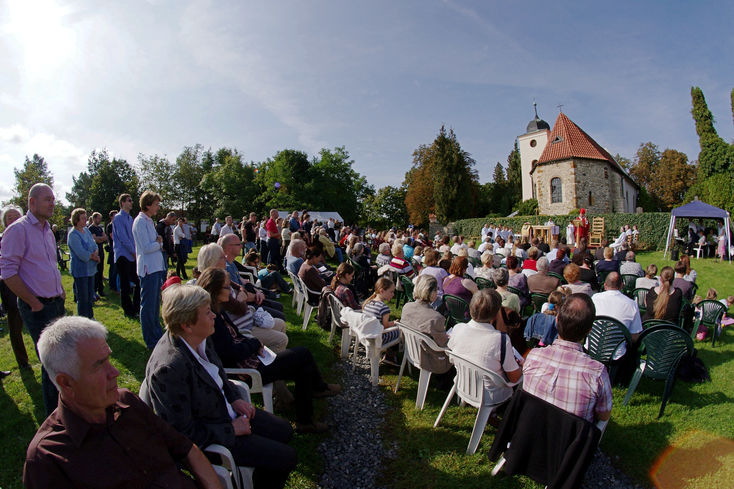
(99,276)
(274,252)
(266,449)
(181,258)
(297,364)
(127,273)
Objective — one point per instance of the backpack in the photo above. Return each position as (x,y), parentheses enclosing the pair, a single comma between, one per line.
(692,369)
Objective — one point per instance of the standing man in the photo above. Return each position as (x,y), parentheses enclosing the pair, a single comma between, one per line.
(30,271)
(293,224)
(112,274)
(164,228)
(228,227)
(124,249)
(100,238)
(250,233)
(150,267)
(216,227)
(271,227)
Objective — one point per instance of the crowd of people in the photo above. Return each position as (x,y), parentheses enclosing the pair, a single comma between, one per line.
(228,316)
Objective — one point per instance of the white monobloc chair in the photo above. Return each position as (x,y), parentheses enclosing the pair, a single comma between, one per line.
(414,340)
(335,308)
(297,300)
(469,385)
(257,385)
(308,308)
(230,475)
(367,332)
(373,351)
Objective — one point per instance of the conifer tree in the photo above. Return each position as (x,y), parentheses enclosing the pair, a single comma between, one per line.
(716,155)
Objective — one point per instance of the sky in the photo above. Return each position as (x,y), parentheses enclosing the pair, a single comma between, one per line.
(378,77)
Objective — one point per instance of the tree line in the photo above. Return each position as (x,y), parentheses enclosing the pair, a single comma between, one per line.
(442,181)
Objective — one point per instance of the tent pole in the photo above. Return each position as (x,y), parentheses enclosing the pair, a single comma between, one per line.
(667,240)
(727,226)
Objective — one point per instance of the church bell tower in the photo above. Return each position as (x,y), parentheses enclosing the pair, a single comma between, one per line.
(531,146)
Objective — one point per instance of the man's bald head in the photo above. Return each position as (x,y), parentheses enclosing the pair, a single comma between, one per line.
(41,201)
(613,281)
(575,318)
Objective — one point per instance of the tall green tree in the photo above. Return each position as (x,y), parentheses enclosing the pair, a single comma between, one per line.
(98,189)
(514,176)
(192,165)
(232,184)
(283,181)
(34,170)
(442,179)
(386,208)
(156,173)
(663,177)
(716,156)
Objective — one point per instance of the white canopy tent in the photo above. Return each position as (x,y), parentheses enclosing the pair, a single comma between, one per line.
(702,210)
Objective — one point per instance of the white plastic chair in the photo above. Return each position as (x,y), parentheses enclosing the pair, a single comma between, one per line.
(413,341)
(698,249)
(257,385)
(469,385)
(335,307)
(373,350)
(307,306)
(230,475)
(298,294)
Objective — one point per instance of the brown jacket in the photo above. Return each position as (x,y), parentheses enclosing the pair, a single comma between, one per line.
(422,317)
(542,283)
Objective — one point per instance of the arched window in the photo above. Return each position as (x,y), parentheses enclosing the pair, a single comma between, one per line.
(556,191)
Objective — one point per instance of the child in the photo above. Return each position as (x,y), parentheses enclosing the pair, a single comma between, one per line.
(269,277)
(376,306)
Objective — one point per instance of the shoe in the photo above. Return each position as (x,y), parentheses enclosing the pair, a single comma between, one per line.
(331,391)
(315,427)
(5,373)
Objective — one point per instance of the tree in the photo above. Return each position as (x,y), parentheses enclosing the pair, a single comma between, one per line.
(191,166)
(514,176)
(156,173)
(35,170)
(283,181)
(387,208)
(664,178)
(231,183)
(98,189)
(716,156)
(624,162)
(441,180)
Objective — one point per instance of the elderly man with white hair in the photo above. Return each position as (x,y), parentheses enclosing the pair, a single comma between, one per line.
(100,435)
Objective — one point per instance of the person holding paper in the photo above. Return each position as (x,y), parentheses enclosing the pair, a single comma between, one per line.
(237,350)
(189,390)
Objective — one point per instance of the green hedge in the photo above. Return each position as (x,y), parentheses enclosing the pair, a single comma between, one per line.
(653,226)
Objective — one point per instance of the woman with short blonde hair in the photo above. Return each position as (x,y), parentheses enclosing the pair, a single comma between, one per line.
(181,305)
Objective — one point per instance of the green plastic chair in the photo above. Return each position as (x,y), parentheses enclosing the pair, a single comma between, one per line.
(711,314)
(408,287)
(640,296)
(458,309)
(664,346)
(538,300)
(558,276)
(657,322)
(628,284)
(484,283)
(606,337)
(601,278)
(475,262)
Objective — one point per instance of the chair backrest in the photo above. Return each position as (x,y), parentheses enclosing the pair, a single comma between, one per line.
(475,262)
(519,293)
(640,296)
(484,283)
(296,283)
(558,276)
(606,335)
(656,322)
(665,345)
(601,278)
(408,287)
(458,308)
(413,341)
(711,311)
(357,267)
(538,300)
(312,296)
(335,306)
(470,378)
(628,283)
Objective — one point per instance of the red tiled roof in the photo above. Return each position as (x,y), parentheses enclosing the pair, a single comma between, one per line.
(572,142)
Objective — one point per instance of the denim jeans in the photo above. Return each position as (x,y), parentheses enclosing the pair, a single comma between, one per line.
(113,276)
(35,322)
(84,289)
(150,306)
(274,278)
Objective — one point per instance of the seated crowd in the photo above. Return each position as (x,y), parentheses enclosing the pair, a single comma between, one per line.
(515,289)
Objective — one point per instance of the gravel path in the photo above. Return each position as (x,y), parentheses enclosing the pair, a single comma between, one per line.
(355,416)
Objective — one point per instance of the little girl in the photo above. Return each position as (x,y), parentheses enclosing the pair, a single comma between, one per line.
(376,306)
(269,277)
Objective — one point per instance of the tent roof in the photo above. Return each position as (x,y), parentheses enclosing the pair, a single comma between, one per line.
(698,208)
(321,216)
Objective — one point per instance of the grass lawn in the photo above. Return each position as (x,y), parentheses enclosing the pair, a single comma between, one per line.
(691,444)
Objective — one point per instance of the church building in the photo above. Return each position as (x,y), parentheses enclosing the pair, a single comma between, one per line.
(565,169)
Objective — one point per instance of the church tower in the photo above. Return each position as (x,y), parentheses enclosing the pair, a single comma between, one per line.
(531,146)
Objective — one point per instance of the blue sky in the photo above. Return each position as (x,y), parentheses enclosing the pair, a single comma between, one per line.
(379,77)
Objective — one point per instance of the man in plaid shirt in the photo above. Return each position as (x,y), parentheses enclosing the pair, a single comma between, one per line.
(563,374)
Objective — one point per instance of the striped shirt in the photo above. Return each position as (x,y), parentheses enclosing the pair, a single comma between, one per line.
(378,309)
(565,376)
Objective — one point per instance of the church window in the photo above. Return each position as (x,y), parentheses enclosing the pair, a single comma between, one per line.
(556,191)
(591,200)
(606,173)
(533,143)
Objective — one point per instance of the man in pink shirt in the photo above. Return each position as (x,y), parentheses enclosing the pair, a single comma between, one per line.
(273,239)
(29,268)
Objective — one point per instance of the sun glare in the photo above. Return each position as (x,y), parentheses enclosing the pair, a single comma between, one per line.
(39,30)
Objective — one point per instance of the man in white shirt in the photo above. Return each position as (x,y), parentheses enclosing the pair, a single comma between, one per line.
(485,230)
(458,245)
(487,244)
(228,227)
(613,303)
(216,227)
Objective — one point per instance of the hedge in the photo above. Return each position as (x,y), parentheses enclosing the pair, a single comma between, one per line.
(653,226)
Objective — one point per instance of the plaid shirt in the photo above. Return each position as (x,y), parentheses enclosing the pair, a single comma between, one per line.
(565,376)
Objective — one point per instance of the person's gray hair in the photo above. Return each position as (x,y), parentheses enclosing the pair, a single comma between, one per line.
(58,344)
(630,256)
(397,248)
(384,248)
(180,306)
(358,249)
(487,258)
(542,264)
(425,285)
(7,209)
(500,276)
(209,255)
(484,305)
